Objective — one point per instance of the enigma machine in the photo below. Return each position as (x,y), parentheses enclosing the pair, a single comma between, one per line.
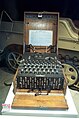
(39,81)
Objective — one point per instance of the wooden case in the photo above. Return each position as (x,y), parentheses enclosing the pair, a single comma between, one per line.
(42,28)
(47,24)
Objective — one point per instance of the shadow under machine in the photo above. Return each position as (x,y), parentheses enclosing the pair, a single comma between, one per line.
(39,81)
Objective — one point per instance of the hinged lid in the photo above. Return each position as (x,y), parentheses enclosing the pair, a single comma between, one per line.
(41,30)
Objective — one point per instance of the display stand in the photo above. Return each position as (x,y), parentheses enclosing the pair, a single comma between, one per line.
(70,112)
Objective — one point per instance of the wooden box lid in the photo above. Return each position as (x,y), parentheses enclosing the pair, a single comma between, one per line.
(41,29)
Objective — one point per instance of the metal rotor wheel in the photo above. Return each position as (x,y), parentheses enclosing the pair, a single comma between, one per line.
(70,73)
(13,59)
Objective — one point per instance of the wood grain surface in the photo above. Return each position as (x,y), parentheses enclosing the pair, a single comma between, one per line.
(40,101)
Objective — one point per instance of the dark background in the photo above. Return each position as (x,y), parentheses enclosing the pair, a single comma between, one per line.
(16,8)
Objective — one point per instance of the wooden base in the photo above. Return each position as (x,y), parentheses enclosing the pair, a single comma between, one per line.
(52,101)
